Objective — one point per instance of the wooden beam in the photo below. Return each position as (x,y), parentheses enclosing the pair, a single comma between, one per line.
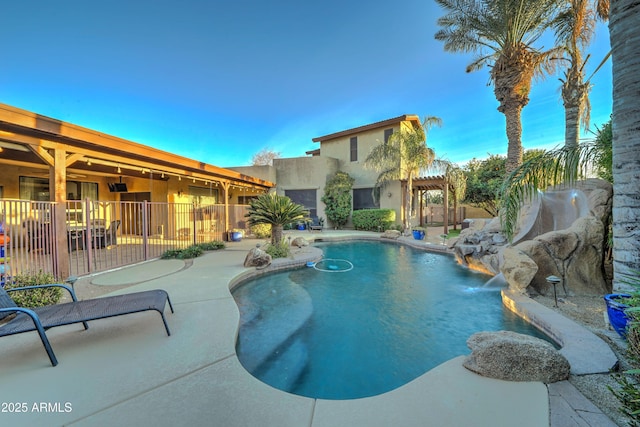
(43,154)
(73,158)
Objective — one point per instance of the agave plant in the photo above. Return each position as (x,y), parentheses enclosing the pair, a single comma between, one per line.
(276,210)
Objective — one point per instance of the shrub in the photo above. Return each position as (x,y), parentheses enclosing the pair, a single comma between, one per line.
(193,251)
(36,297)
(278,250)
(629,381)
(373,219)
(337,198)
(261,231)
(171,253)
(211,246)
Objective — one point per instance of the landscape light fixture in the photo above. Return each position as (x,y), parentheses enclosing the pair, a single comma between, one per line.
(554,280)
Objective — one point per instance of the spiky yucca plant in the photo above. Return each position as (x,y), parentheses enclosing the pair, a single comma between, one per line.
(276,210)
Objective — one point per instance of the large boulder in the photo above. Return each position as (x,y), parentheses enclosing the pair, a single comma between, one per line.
(510,356)
(575,254)
(517,268)
(479,249)
(600,197)
(391,234)
(299,242)
(257,258)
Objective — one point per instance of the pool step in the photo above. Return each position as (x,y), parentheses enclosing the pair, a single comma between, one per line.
(263,333)
(286,366)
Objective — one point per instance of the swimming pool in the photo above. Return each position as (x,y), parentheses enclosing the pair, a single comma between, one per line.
(396,314)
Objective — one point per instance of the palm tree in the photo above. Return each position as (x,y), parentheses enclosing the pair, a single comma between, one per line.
(456,179)
(625,51)
(502,33)
(275,210)
(402,157)
(574,27)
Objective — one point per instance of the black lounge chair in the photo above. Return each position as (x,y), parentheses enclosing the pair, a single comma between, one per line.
(42,318)
(315,224)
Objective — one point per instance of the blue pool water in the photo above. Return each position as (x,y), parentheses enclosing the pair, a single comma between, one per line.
(396,314)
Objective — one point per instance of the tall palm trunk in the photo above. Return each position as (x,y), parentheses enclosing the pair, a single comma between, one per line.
(408,202)
(512,75)
(625,47)
(574,96)
(513,114)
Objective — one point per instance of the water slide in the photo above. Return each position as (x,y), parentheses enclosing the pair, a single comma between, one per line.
(549,211)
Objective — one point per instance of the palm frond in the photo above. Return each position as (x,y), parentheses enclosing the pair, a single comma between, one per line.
(274,209)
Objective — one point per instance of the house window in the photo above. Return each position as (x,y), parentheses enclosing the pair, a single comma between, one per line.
(306,198)
(354,148)
(387,134)
(363,198)
(37,189)
(203,196)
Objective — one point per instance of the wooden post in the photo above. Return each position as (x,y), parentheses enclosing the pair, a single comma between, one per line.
(455,211)
(225,195)
(445,202)
(58,183)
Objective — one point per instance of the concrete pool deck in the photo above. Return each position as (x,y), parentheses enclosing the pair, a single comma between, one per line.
(126,371)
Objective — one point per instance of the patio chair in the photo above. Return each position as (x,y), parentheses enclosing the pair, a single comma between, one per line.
(42,318)
(107,237)
(315,224)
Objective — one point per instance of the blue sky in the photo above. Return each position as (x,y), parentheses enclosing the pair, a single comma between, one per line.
(217,81)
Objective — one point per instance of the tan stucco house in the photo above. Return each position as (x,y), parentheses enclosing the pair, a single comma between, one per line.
(303,178)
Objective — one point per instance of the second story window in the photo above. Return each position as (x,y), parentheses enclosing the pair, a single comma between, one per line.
(387,134)
(354,148)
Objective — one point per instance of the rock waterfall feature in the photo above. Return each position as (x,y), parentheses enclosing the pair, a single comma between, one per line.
(560,233)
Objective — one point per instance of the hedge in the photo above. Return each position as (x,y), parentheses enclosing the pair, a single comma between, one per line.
(373,219)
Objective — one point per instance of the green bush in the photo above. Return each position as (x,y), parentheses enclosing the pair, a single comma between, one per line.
(171,253)
(629,396)
(628,381)
(279,250)
(261,231)
(211,246)
(193,251)
(36,297)
(373,219)
(337,198)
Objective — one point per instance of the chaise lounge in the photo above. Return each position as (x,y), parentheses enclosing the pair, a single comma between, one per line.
(316,224)
(42,318)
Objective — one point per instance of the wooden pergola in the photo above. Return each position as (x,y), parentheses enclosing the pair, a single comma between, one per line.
(436,182)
